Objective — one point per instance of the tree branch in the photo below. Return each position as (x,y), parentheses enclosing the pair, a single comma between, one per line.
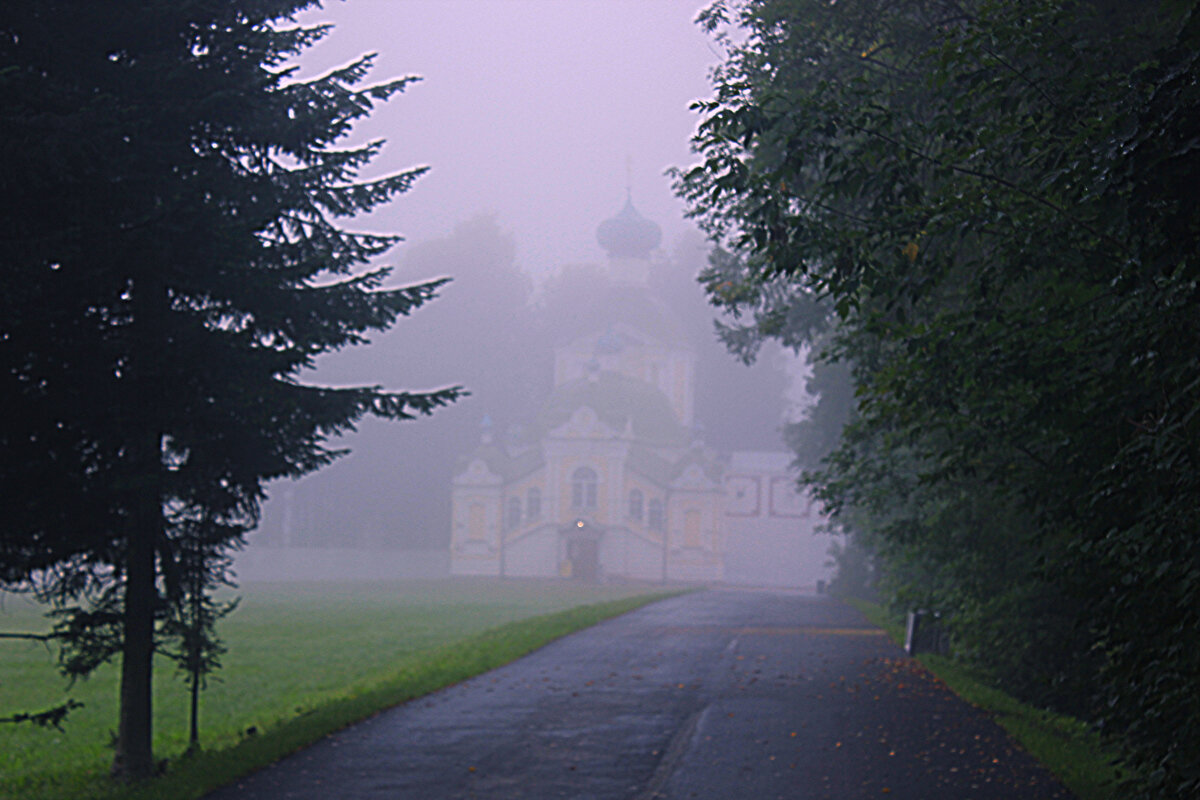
(52,716)
(1116,244)
(37,637)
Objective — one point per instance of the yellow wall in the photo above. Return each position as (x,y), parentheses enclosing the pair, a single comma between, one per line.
(649,492)
(476,520)
(520,490)
(691,528)
(568,466)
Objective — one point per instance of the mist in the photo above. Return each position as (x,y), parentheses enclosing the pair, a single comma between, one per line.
(539,112)
(541,122)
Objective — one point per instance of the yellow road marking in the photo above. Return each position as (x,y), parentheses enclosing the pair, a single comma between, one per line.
(805,630)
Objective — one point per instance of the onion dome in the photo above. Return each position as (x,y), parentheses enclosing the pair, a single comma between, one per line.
(628,234)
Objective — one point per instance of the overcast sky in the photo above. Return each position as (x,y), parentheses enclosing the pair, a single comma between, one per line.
(529,109)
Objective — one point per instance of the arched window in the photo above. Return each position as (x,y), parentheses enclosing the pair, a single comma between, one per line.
(512,519)
(635,505)
(583,488)
(533,503)
(654,515)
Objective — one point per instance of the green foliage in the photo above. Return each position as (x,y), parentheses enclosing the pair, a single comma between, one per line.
(996,201)
(173,264)
(854,570)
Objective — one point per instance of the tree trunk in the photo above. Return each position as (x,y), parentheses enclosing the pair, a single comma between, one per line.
(134,757)
(196,672)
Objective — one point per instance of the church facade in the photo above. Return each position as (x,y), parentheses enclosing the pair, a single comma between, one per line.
(613,480)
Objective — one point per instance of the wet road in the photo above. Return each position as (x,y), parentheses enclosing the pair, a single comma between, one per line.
(718,694)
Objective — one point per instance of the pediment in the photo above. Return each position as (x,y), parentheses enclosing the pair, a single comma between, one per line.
(477,472)
(584,424)
(694,477)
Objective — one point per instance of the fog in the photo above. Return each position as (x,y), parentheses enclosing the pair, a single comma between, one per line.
(540,121)
(538,111)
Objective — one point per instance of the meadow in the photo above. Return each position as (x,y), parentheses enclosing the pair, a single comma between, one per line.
(303,660)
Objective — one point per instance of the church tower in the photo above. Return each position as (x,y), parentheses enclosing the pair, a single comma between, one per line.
(629,239)
(637,335)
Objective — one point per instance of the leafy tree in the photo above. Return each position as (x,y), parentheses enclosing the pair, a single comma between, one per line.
(173,265)
(995,200)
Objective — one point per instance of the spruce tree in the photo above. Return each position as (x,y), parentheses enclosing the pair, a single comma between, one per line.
(173,263)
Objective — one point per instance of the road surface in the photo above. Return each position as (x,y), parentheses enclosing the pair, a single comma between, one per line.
(715,695)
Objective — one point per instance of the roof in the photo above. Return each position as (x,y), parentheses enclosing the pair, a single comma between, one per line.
(761,461)
(508,467)
(620,402)
(712,468)
(632,306)
(664,471)
(650,465)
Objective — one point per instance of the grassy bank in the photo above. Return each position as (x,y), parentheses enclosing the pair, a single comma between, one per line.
(1065,745)
(304,660)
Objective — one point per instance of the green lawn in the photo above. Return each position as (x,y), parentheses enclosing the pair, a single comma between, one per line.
(1064,744)
(303,659)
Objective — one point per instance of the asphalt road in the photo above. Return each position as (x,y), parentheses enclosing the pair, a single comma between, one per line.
(714,695)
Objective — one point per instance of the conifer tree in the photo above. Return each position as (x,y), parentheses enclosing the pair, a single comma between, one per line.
(173,263)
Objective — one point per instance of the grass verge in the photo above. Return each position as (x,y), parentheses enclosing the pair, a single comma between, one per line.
(289,721)
(1066,746)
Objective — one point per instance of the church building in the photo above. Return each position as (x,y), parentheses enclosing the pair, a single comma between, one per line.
(612,481)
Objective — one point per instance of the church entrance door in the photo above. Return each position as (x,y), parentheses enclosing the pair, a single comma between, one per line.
(585,558)
(582,550)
